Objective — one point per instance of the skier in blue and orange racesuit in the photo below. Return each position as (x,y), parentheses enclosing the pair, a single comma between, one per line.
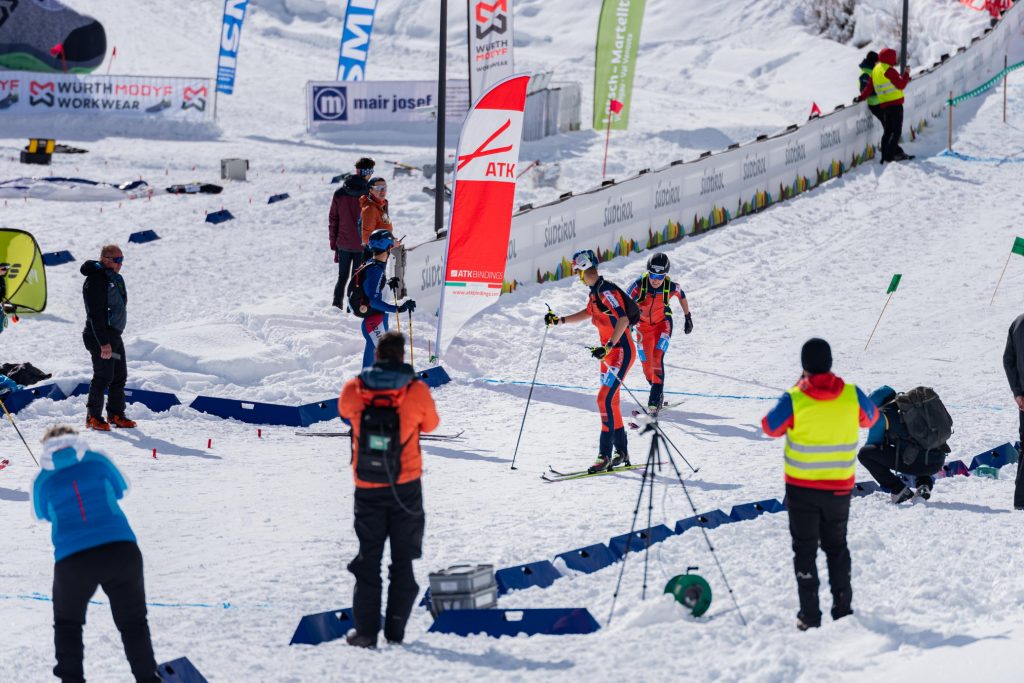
(606,309)
(372,277)
(653,293)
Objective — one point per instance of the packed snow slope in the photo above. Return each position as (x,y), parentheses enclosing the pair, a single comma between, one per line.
(244,537)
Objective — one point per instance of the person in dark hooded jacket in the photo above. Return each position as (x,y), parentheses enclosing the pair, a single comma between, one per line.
(392,508)
(889,449)
(1013,365)
(106,311)
(343,225)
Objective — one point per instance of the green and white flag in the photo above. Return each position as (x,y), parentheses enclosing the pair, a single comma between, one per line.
(894,283)
(618,37)
(1018,246)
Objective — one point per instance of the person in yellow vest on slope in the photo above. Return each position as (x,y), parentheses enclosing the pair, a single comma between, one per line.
(820,418)
(886,87)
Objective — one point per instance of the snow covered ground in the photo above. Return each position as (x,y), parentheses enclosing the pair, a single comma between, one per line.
(243,538)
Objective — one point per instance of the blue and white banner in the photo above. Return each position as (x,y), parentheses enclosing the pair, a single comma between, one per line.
(355,40)
(230,40)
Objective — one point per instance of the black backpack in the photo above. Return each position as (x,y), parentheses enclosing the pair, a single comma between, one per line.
(632,310)
(926,421)
(357,299)
(380,442)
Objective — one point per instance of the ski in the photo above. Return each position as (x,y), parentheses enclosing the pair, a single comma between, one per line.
(423,437)
(553,475)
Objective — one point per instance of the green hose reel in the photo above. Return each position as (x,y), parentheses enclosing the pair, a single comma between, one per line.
(691,591)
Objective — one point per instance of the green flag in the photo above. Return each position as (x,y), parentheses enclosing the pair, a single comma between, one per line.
(618,37)
(26,276)
(1018,246)
(894,284)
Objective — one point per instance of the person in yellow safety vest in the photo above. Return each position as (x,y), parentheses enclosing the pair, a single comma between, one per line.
(820,418)
(886,85)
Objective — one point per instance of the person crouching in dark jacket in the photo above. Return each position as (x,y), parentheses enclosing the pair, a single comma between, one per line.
(77,491)
(890,450)
(388,409)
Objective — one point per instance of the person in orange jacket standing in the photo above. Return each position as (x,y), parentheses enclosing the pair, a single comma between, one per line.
(653,293)
(388,408)
(374,211)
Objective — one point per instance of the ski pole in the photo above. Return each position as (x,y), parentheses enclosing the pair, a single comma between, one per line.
(530,395)
(13,424)
(412,353)
(398,314)
(658,428)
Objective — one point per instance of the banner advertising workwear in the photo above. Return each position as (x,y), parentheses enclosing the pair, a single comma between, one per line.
(489,27)
(230,40)
(29,94)
(483,192)
(618,37)
(355,40)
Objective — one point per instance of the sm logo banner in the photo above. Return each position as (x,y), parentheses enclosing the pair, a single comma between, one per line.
(230,40)
(355,40)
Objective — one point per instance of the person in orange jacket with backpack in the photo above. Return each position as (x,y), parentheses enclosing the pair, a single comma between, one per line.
(653,293)
(388,408)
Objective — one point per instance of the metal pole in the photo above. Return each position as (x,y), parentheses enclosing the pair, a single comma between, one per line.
(1000,281)
(1006,73)
(950,144)
(13,424)
(873,329)
(442,56)
(529,396)
(903,37)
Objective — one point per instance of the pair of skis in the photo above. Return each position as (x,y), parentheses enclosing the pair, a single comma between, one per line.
(552,475)
(423,437)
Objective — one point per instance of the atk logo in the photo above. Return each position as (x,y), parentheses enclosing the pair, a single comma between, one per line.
(330,103)
(194,98)
(491,18)
(34,96)
(6,8)
(499,169)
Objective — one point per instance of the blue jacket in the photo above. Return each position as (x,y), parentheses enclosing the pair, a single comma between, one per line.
(373,286)
(880,396)
(77,492)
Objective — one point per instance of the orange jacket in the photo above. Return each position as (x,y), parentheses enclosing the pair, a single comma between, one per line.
(416,413)
(374,216)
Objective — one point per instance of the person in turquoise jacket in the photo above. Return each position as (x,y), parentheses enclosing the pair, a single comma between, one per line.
(77,491)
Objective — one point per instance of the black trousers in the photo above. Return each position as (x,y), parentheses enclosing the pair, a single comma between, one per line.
(117,567)
(820,517)
(1018,489)
(379,516)
(884,462)
(348,261)
(108,376)
(892,128)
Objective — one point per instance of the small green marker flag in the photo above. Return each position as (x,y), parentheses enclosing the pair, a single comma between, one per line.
(896,280)
(1018,246)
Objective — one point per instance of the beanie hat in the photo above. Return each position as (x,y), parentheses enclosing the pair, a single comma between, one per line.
(816,356)
(888,56)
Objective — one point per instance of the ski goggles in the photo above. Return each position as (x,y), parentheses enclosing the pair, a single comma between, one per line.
(116,259)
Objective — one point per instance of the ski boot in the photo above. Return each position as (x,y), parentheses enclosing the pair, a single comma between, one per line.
(620,459)
(121,422)
(924,488)
(97,423)
(902,496)
(600,465)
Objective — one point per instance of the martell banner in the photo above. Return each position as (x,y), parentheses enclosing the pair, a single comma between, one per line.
(618,38)
(489,25)
(483,193)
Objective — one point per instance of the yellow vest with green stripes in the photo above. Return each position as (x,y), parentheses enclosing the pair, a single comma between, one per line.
(872,99)
(885,91)
(822,444)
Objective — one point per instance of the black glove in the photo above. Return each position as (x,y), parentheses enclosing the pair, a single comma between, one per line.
(599,352)
(394,283)
(550,318)
(407,305)
(688,324)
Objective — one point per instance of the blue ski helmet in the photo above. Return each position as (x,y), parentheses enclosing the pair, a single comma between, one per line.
(381,240)
(584,259)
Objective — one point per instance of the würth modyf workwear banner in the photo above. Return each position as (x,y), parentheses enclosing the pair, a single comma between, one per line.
(230,40)
(355,40)
(489,23)
(483,193)
(618,37)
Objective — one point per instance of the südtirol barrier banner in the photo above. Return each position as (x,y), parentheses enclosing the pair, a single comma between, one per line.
(354,50)
(618,38)
(483,192)
(29,94)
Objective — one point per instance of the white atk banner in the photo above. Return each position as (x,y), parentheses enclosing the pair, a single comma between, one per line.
(643,212)
(335,105)
(483,195)
(489,26)
(25,93)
